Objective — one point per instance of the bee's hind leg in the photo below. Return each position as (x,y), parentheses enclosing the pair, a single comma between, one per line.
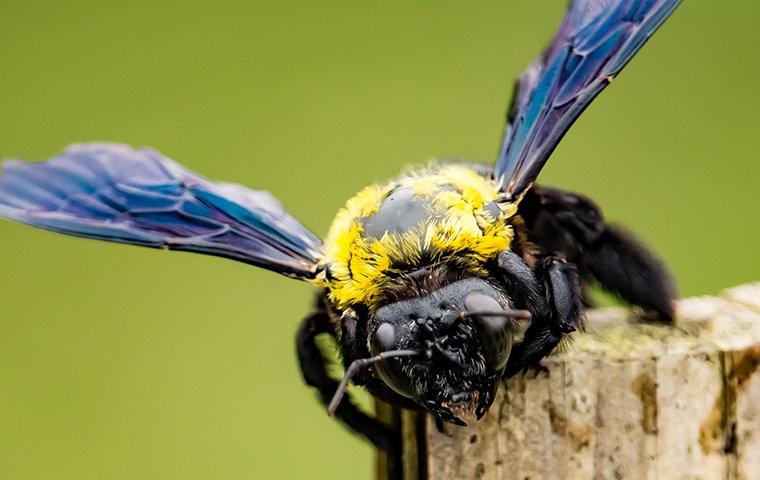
(572,225)
(552,293)
(315,374)
(623,266)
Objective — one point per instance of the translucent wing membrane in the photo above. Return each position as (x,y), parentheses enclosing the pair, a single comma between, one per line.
(138,196)
(595,40)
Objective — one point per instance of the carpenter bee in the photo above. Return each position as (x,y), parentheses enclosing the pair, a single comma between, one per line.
(423,281)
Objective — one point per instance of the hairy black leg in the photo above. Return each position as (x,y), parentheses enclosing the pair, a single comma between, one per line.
(559,313)
(625,267)
(572,226)
(314,371)
(521,283)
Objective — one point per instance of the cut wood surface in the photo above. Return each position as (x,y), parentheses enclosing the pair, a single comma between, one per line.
(627,400)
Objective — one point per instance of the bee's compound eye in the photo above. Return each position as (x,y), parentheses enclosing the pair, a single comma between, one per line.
(385,338)
(495,331)
(478,302)
(389,370)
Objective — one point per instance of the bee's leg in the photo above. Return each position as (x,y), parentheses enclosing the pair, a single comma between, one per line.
(314,371)
(557,312)
(626,268)
(574,227)
(522,285)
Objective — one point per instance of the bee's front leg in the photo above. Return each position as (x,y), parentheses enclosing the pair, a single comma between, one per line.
(552,293)
(315,374)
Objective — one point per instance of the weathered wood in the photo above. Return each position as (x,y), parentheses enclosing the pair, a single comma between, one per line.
(389,415)
(628,400)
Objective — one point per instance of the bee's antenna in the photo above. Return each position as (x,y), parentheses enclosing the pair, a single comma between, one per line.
(518,314)
(356,366)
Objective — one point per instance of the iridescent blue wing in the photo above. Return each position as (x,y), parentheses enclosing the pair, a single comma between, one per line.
(595,40)
(138,196)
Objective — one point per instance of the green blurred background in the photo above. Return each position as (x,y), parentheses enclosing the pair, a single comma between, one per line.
(123,363)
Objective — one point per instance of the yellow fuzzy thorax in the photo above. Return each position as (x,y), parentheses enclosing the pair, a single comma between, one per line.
(463,221)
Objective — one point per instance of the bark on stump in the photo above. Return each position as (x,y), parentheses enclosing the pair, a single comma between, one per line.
(628,400)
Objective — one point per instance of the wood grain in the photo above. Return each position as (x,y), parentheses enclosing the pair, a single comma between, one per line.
(628,400)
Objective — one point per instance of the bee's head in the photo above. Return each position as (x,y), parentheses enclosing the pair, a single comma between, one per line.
(454,344)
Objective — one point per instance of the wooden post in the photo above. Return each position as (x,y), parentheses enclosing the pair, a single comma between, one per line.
(629,400)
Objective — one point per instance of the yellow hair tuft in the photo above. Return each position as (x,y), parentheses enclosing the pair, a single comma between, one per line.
(460,225)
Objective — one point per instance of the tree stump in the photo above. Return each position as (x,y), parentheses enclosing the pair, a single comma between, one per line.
(628,400)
